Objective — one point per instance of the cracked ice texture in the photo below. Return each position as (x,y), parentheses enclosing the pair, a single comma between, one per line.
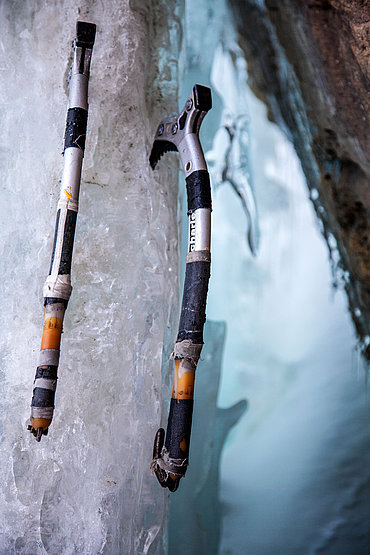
(87,488)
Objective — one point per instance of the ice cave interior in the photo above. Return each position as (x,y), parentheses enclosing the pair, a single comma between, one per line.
(279,458)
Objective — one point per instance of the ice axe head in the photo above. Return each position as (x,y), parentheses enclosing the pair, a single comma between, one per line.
(180,133)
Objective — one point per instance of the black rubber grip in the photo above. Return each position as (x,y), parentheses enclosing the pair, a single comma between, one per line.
(193,310)
(199,190)
(55,300)
(43,398)
(55,241)
(68,239)
(179,428)
(48,372)
(76,128)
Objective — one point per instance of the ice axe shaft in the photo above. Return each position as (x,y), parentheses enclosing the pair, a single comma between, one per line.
(57,288)
(181,133)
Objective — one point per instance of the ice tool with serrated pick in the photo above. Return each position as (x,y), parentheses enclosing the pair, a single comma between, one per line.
(181,133)
(57,288)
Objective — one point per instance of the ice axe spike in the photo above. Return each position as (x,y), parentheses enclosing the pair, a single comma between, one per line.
(181,133)
(57,288)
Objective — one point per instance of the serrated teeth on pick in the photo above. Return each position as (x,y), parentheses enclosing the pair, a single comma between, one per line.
(160,148)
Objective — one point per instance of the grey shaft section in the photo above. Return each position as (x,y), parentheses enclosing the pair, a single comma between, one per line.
(70,187)
(78,91)
(78,85)
(191,154)
(59,285)
(199,238)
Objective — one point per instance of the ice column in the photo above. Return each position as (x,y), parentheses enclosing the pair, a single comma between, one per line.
(86,488)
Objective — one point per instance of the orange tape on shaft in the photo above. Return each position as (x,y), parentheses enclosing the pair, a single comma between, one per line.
(52,332)
(184,377)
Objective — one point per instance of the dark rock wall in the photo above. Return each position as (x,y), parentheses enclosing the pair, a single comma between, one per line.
(309,62)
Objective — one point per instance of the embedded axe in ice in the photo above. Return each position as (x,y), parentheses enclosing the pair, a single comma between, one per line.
(181,133)
(57,288)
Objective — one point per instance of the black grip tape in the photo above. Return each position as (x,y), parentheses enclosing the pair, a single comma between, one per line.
(55,300)
(47,372)
(199,190)
(68,238)
(76,128)
(55,241)
(43,398)
(193,310)
(179,428)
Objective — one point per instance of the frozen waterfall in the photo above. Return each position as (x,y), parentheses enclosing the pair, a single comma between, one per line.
(292,476)
(87,488)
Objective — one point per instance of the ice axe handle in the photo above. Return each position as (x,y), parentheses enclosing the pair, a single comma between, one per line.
(181,133)
(174,454)
(57,288)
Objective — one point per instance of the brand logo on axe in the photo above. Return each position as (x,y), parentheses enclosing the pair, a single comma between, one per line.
(191,232)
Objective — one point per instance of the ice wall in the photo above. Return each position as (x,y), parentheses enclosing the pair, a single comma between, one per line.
(87,488)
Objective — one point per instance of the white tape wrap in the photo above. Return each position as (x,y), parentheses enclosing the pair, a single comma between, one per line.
(49,357)
(58,286)
(42,412)
(45,384)
(187,349)
(198,256)
(169,465)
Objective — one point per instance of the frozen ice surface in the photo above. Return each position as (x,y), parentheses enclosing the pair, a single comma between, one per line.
(87,488)
(230,156)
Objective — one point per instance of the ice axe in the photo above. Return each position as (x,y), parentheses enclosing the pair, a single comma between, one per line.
(181,133)
(57,288)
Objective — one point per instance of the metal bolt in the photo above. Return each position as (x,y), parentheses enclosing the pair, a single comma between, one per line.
(160,130)
(189,104)
(174,129)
